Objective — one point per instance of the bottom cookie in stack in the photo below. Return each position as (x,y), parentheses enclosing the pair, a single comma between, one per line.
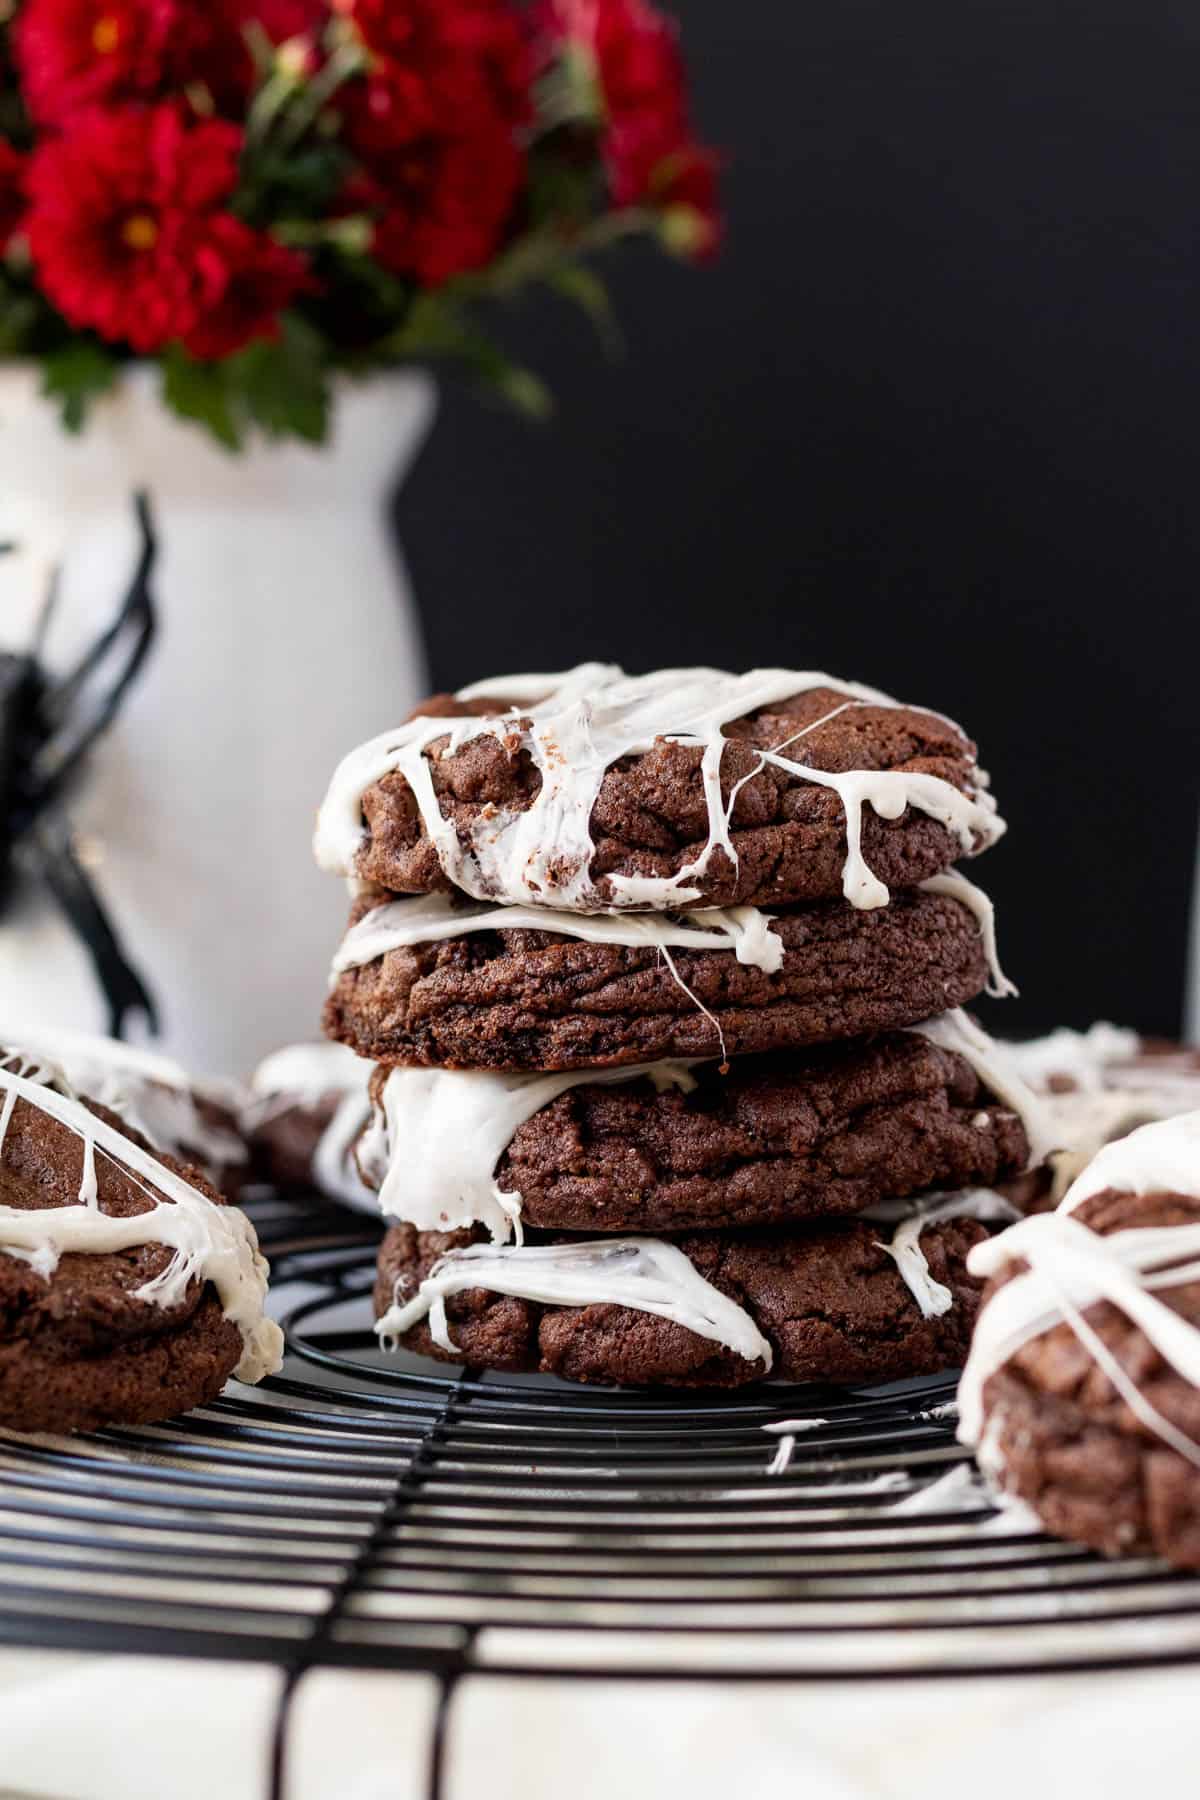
(797,1205)
(707,1309)
(1081,1396)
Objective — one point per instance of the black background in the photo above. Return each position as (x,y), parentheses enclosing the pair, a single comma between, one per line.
(930,423)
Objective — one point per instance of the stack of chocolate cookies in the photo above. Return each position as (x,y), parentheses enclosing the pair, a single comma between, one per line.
(662,976)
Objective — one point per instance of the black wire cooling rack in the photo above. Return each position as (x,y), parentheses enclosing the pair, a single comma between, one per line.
(374,1511)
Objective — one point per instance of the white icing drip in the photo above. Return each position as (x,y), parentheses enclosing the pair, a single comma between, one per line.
(304,1075)
(994,1066)
(1162,1158)
(643,1273)
(301,1074)
(789,1430)
(444,1131)
(1070,1268)
(956,887)
(335,1171)
(1082,1057)
(432,918)
(959,1487)
(963,1488)
(933,1298)
(209,1243)
(580,724)
(89,1194)
(1114,1087)
(152,1094)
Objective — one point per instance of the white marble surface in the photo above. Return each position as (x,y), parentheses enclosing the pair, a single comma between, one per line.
(81,1728)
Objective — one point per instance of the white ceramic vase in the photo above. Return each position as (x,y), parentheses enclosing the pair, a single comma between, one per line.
(287,634)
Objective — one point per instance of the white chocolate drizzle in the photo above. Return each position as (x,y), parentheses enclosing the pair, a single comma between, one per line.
(956,887)
(788,1430)
(1080,1057)
(149,1092)
(964,1489)
(433,918)
(932,1297)
(1069,1268)
(211,1243)
(303,1076)
(1161,1158)
(438,1135)
(646,1274)
(993,1063)
(1114,1086)
(574,727)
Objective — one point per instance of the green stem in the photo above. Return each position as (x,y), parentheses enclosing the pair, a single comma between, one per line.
(346,62)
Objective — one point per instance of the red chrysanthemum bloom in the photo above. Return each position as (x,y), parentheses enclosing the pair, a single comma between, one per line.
(635,54)
(73,54)
(650,156)
(256,279)
(119,206)
(284,19)
(432,65)
(442,204)
(12,193)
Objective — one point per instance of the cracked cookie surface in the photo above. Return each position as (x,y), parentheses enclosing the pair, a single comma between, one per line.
(650,817)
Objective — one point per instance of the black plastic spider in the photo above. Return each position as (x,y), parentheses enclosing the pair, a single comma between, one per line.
(48,725)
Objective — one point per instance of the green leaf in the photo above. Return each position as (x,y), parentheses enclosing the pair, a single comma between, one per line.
(585,288)
(75,376)
(284,384)
(435,329)
(563,191)
(200,391)
(20,312)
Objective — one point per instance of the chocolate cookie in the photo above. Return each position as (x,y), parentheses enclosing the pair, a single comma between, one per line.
(826,1304)
(532,1000)
(782,1138)
(1114,1464)
(193,1120)
(623,770)
(1099,1085)
(308,1108)
(128,1291)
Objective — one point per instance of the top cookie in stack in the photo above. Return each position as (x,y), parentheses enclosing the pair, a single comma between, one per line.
(669,809)
(613,886)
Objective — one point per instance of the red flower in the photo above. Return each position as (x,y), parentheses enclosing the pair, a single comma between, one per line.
(635,54)
(432,65)
(442,203)
(12,193)
(649,153)
(119,208)
(284,19)
(256,279)
(73,54)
